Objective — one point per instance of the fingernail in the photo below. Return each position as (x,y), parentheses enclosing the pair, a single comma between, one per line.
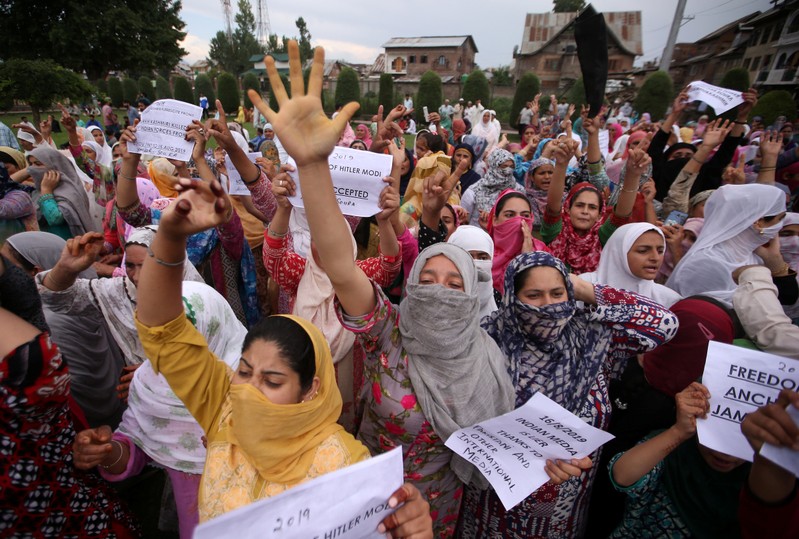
(392,502)
(381,528)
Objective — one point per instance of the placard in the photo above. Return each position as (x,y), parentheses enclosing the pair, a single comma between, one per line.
(511,450)
(740,381)
(721,99)
(604,142)
(345,504)
(162,130)
(784,456)
(357,180)
(236,185)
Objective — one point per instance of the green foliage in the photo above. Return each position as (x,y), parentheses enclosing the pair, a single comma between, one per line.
(233,53)
(95,36)
(115,91)
(102,86)
(129,89)
(272,99)
(502,106)
(304,41)
(502,76)
(228,89)
(183,90)
(526,89)
(567,6)
(368,106)
(544,104)
(576,96)
(162,89)
(39,83)
(476,87)
(386,95)
(348,87)
(430,95)
(146,87)
(250,82)
(655,95)
(203,85)
(775,103)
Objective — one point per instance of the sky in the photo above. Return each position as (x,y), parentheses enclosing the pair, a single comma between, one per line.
(354,30)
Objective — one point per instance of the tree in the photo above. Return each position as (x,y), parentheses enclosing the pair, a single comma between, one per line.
(102,86)
(250,82)
(568,6)
(162,89)
(141,35)
(277,46)
(304,41)
(272,99)
(774,103)
(526,89)
(233,53)
(655,95)
(430,94)
(129,90)
(502,76)
(228,88)
(502,106)
(183,91)
(203,85)
(146,87)
(115,91)
(576,96)
(476,87)
(39,83)
(348,87)
(386,95)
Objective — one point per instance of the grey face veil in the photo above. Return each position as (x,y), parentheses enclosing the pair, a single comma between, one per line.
(458,372)
(43,249)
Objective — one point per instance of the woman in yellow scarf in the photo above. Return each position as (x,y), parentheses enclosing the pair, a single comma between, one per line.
(270,425)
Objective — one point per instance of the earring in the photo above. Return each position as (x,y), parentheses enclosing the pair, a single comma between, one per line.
(761,232)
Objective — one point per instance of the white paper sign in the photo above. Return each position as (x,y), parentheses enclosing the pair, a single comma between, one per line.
(721,99)
(162,129)
(357,180)
(740,381)
(784,456)
(511,450)
(236,185)
(604,142)
(345,504)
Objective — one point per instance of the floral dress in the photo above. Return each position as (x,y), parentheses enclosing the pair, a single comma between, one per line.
(392,417)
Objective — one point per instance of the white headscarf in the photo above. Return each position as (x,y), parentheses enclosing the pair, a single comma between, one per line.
(474,238)
(614,269)
(106,156)
(727,241)
(485,129)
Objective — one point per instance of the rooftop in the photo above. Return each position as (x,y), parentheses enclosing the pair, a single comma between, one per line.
(428,42)
(540,29)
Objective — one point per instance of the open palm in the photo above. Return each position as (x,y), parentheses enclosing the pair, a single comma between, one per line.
(199,207)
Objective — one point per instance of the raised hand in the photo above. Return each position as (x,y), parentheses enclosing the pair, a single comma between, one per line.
(128,135)
(200,206)
(438,187)
(67,120)
(770,145)
(771,423)
(219,129)
(750,100)
(50,181)
(638,161)
(715,132)
(389,200)
(680,102)
(734,175)
(564,150)
(692,402)
(304,129)
(649,190)
(195,132)
(283,187)
(81,252)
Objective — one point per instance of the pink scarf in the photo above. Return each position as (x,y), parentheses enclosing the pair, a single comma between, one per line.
(581,253)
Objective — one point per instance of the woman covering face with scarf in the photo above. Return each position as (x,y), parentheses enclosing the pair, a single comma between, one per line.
(565,353)
(17,213)
(481,196)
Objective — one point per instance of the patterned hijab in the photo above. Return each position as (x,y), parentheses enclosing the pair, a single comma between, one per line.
(581,253)
(496,180)
(554,348)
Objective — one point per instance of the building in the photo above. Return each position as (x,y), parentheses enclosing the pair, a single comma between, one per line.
(549,50)
(201,67)
(449,56)
(772,55)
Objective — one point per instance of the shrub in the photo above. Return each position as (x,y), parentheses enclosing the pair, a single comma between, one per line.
(115,91)
(348,87)
(476,87)
(386,96)
(655,95)
(162,89)
(430,95)
(775,103)
(183,90)
(526,89)
(250,82)
(228,89)
(203,85)
(102,86)
(129,90)
(146,87)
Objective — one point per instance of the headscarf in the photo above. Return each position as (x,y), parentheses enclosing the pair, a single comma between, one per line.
(496,180)
(554,348)
(71,196)
(316,303)
(406,178)
(15,155)
(367,135)
(474,238)
(580,252)
(694,224)
(615,132)
(700,197)
(285,451)
(540,148)
(789,247)
(485,129)
(458,129)
(793,168)
(43,249)
(470,177)
(176,442)
(93,146)
(728,240)
(635,137)
(457,371)
(105,155)
(508,241)
(27,137)
(536,196)
(614,270)
(162,174)
(7,185)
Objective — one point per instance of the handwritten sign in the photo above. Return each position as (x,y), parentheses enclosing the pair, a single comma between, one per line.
(162,129)
(721,99)
(784,456)
(604,142)
(740,381)
(345,504)
(357,180)
(511,450)
(236,185)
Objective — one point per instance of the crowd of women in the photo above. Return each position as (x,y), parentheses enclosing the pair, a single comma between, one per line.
(241,346)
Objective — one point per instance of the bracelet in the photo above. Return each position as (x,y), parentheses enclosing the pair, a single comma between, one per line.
(162,262)
(623,190)
(739,123)
(275,234)
(45,196)
(256,178)
(767,168)
(129,178)
(697,160)
(54,281)
(121,452)
(784,269)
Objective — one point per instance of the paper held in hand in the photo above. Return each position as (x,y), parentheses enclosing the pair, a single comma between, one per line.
(357,180)
(511,450)
(784,456)
(162,130)
(740,381)
(721,99)
(345,504)
(236,184)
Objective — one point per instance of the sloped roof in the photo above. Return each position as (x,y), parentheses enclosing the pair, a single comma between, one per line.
(540,29)
(727,27)
(428,42)
(379,65)
(278,56)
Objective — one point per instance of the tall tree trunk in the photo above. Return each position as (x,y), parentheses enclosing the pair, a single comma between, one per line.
(36,113)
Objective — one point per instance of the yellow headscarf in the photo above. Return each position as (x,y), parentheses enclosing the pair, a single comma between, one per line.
(16,155)
(281,440)
(429,165)
(162,174)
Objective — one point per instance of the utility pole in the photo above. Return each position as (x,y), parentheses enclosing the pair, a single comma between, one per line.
(665,61)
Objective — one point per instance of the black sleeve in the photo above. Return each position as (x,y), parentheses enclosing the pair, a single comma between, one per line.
(428,236)
(19,295)
(709,176)
(787,288)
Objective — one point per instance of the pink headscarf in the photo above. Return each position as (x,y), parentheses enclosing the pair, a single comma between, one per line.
(616,130)
(637,136)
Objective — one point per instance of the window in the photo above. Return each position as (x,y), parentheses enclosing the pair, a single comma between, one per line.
(767,62)
(460,64)
(398,65)
(793,26)
(780,62)
(747,63)
(442,60)
(423,59)
(613,65)
(553,64)
(755,63)
(765,36)
(411,59)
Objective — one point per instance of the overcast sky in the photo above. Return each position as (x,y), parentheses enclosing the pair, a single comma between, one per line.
(354,30)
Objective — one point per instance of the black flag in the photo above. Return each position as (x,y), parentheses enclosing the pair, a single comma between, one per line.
(591,36)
